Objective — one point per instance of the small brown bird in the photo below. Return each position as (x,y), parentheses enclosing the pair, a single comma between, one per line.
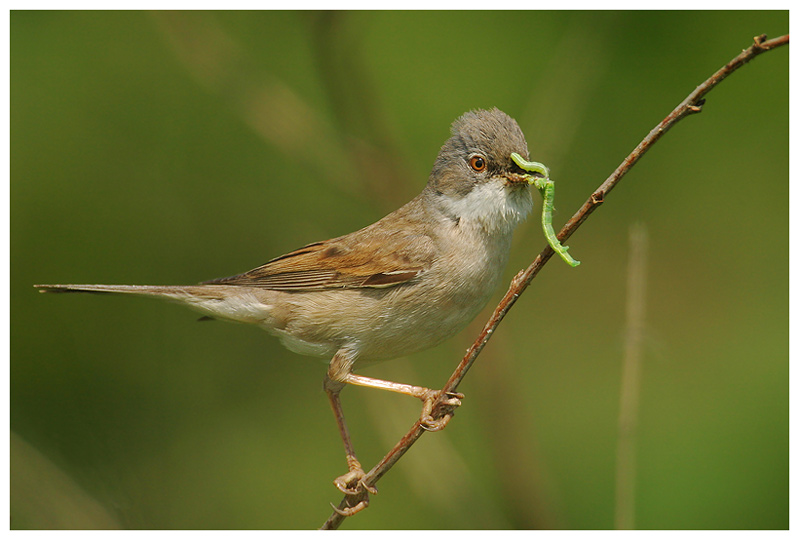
(400,285)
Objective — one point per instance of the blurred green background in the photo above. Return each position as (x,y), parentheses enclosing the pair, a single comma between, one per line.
(178,147)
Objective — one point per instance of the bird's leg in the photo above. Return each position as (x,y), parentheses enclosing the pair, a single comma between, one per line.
(339,374)
(428,397)
(351,482)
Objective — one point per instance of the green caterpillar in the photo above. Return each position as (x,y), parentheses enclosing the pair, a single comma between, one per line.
(547,188)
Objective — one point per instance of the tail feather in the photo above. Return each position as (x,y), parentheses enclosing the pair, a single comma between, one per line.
(237,303)
(158,291)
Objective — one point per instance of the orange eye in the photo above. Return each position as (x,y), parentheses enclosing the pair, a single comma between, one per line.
(477,163)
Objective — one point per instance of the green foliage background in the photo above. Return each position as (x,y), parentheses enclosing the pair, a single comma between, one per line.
(178,147)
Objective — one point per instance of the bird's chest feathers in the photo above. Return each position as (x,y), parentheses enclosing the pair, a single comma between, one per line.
(475,234)
(473,261)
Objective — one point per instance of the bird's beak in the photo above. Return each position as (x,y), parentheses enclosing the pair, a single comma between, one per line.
(531,170)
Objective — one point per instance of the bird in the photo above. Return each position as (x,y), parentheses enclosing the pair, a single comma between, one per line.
(400,285)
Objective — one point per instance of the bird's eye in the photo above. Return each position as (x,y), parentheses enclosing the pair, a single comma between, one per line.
(478,163)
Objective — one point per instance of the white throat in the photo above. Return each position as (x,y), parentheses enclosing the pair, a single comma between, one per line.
(491,205)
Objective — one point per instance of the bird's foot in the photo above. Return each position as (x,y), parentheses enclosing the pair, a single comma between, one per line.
(352,483)
(445,408)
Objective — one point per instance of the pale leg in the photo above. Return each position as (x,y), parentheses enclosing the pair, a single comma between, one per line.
(339,374)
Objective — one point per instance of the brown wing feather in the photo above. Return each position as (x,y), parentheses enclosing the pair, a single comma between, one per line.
(353,261)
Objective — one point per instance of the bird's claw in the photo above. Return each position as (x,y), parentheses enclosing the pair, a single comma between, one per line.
(451,401)
(352,483)
(350,511)
(434,425)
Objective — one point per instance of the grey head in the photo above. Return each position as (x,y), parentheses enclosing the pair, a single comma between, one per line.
(492,135)
(474,172)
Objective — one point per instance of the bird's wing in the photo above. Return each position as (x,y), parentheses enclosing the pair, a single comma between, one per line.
(352,261)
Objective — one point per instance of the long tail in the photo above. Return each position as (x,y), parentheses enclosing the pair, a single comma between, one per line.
(237,303)
(178,292)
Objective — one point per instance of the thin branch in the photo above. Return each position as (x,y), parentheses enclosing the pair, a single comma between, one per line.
(691,105)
